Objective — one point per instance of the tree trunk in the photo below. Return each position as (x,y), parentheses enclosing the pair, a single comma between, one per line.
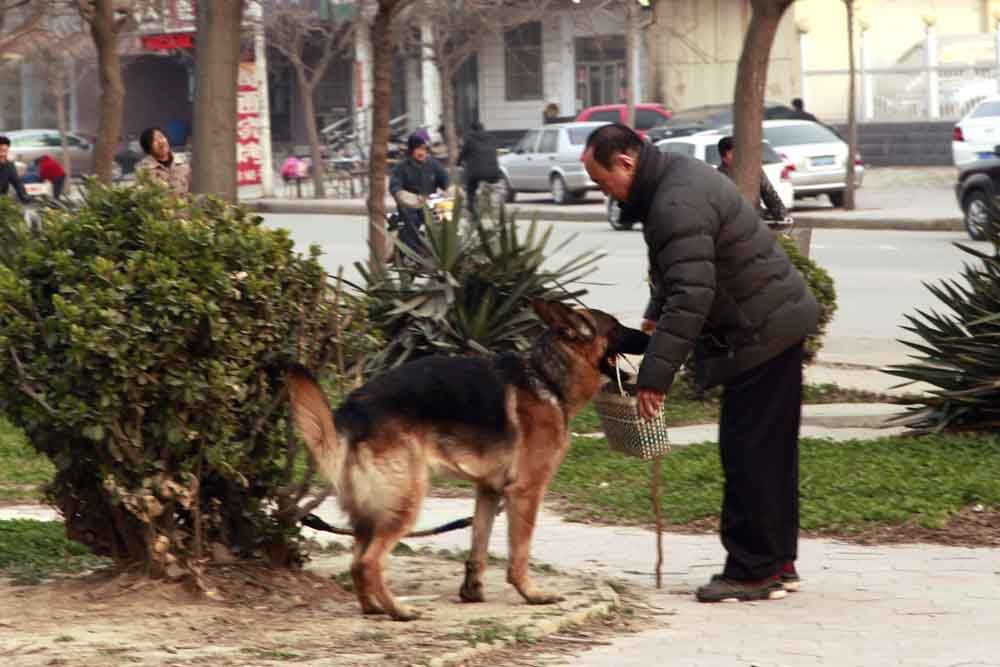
(448,119)
(319,179)
(217,57)
(852,121)
(381,39)
(748,98)
(103,29)
(631,41)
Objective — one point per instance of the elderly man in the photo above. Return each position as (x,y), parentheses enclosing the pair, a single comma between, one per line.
(723,291)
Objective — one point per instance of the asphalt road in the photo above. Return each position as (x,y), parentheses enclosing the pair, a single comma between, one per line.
(879,275)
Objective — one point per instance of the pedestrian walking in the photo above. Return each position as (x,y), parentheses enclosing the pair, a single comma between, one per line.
(50,170)
(799,111)
(774,207)
(479,158)
(160,162)
(413,179)
(723,291)
(8,173)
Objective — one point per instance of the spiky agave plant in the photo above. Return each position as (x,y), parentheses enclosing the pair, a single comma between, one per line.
(959,352)
(471,292)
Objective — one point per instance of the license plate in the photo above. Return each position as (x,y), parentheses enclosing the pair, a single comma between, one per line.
(824,161)
(985,155)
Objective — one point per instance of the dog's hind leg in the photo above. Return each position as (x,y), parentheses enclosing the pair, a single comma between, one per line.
(486,510)
(522,512)
(363,533)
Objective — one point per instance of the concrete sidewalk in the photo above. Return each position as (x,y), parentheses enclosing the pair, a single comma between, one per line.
(892,198)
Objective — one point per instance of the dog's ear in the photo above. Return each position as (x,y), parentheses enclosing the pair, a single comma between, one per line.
(564,320)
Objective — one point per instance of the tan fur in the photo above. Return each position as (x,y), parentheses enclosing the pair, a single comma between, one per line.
(381,482)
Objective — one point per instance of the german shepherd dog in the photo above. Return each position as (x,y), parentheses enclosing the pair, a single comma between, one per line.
(502,423)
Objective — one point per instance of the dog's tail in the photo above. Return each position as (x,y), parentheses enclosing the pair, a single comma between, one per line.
(314,420)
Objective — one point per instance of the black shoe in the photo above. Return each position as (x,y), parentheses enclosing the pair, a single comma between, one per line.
(723,589)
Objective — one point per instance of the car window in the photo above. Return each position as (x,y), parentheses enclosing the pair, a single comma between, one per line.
(74,141)
(712,155)
(677,147)
(770,156)
(527,143)
(549,142)
(647,118)
(33,140)
(52,140)
(987,109)
(605,116)
(579,135)
(797,135)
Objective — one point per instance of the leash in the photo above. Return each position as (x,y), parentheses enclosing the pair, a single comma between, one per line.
(316,523)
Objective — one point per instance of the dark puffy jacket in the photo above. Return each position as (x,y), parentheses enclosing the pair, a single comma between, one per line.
(721,285)
(479,157)
(420,179)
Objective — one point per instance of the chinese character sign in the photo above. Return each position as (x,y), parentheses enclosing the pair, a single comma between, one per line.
(249,152)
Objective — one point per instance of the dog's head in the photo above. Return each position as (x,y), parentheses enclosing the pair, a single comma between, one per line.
(592,334)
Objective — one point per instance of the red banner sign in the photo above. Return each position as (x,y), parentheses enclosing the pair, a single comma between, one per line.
(249,152)
(182,40)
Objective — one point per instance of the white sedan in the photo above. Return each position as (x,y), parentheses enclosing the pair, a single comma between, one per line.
(976,136)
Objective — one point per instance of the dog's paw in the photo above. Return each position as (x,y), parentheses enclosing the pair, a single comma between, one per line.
(543,597)
(471,593)
(372,610)
(404,613)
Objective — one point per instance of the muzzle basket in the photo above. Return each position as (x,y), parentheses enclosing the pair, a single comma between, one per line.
(618,409)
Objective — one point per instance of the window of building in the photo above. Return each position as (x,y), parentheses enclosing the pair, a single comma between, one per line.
(523,62)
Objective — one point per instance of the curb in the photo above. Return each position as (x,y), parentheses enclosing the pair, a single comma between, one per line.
(950,224)
(536,630)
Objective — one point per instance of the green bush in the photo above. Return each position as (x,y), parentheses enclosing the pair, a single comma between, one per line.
(822,287)
(958,353)
(138,339)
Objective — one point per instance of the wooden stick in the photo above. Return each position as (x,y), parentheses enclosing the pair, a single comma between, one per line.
(655,472)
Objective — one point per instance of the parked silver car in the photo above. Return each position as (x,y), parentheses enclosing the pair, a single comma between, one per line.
(28,145)
(548,160)
(818,158)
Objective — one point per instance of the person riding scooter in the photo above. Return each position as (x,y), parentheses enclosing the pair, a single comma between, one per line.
(413,180)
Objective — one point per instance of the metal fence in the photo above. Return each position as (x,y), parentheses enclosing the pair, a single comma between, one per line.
(918,88)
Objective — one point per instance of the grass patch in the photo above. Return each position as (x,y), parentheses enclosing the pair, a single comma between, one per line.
(487,630)
(31,551)
(845,487)
(23,471)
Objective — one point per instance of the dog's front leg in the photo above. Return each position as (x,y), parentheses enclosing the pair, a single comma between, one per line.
(523,503)
(486,510)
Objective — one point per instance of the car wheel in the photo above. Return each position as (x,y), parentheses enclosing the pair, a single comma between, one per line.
(836,198)
(977,214)
(615,217)
(558,188)
(505,193)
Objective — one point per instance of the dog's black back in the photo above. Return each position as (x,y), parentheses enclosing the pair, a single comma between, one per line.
(446,392)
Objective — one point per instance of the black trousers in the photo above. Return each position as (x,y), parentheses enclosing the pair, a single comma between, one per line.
(759,447)
(57,186)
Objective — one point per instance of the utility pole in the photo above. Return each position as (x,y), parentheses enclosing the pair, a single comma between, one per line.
(264,114)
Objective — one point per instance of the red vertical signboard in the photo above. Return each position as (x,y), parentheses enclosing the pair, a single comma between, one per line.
(249,152)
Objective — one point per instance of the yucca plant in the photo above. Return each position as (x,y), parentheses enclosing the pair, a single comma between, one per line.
(959,352)
(471,292)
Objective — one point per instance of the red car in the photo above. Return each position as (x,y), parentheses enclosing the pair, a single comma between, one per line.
(646,115)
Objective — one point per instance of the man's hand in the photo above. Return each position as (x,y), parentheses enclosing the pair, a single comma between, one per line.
(648,326)
(650,402)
